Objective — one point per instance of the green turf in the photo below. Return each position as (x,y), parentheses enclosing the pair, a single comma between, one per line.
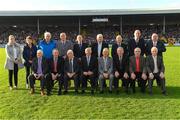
(18,104)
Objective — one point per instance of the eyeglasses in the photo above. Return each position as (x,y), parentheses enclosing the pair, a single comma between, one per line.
(137,51)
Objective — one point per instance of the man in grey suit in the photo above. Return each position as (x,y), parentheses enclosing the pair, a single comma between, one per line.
(137,69)
(155,68)
(105,65)
(63,45)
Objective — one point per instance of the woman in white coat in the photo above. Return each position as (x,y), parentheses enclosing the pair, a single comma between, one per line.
(13,60)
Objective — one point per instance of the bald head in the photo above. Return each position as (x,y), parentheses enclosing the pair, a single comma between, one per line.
(88,51)
(63,36)
(154,37)
(105,52)
(137,34)
(119,39)
(120,51)
(137,52)
(154,51)
(99,38)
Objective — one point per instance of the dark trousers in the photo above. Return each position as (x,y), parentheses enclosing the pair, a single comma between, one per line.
(15,72)
(76,81)
(50,82)
(32,80)
(84,80)
(158,78)
(116,82)
(141,82)
(28,71)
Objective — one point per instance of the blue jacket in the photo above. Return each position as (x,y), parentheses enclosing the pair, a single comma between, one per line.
(47,48)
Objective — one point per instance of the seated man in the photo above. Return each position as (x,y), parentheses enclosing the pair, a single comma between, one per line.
(120,68)
(105,65)
(155,68)
(89,70)
(56,66)
(39,70)
(137,69)
(71,71)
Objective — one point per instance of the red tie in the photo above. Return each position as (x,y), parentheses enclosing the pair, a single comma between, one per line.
(55,66)
(137,64)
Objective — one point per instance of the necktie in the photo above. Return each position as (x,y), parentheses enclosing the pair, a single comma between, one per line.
(71,66)
(105,64)
(88,60)
(137,64)
(39,66)
(55,65)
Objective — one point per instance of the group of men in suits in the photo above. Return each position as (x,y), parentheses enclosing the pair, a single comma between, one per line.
(81,63)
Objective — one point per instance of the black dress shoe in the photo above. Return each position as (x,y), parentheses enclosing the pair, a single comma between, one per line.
(83,91)
(110,91)
(76,92)
(164,93)
(65,92)
(101,92)
(92,92)
(59,92)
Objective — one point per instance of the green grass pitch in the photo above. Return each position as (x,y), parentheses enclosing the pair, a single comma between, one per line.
(19,104)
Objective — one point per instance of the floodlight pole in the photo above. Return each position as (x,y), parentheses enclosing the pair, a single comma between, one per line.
(38,26)
(79,26)
(164,25)
(121,25)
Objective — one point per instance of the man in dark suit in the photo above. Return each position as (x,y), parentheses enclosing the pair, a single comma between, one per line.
(155,68)
(71,71)
(79,47)
(98,47)
(56,66)
(39,71)
(137,69)
(118,43)
(89,70)
(137,41)
(120,68)
(155,42)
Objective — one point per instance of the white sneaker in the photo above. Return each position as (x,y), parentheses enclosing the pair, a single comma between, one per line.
(27,86)
(15,87)
(10,88)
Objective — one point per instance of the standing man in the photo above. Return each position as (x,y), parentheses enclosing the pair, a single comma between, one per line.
(79,47)
(137,69)
(119,43)
(47,45)
(98,47)
(105,65)
(137,41)
(155,68)
(155,42)
(89,70)
(63,45)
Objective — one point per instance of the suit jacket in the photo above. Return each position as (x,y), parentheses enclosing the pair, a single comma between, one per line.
(160,46)
(76,65)
(59,67)
(64,48)
(121,67)
(79,52)
(132,45)
(92,64)
(150,64)
(114,49)
(109,65)
(44,65)
(9,63)
(95,48)
(27,55)
(132,64)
